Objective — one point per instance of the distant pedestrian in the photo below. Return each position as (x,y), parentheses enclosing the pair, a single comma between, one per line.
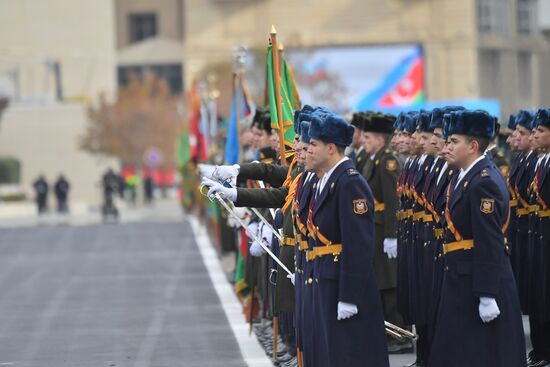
(61,190)
(148,186)
(131,189)
(111,186)
(41,189)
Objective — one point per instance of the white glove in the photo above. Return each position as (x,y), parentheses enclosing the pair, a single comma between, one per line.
(266,233)
(229,193)
(488,309)
(232,222)
(242,213)
(292,278)
(252,229)
(206,170)
(227,173)
(390,247)
(256,249)
(346,310)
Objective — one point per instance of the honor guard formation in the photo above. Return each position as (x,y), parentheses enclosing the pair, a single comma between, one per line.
(382,234)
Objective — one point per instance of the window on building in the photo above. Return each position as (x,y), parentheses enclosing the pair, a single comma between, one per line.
(525,77)
(172,73)
(490,73)
(527,16)
(142,26)
(493,16)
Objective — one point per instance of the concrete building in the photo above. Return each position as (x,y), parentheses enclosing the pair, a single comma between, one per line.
(57,55)
(56,50)
(45,139)
(149,38)
(472,48)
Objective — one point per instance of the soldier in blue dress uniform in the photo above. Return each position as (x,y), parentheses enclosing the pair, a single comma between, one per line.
(435,204)
(540,307)
(518,156)
(425,235)
(416,250)
(479,318)
(524,120)
(347,312)
(406,147)
(304,269)
(539,241)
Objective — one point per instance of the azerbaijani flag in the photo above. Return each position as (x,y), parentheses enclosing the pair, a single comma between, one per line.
(402,86)
(286,104)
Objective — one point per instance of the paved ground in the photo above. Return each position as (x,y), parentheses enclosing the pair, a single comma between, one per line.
(144,292)
(132,294)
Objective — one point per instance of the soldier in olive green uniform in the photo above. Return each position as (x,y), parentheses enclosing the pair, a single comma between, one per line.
(493,152)
(256,268)
(381,173)
(280,196)
(358,154)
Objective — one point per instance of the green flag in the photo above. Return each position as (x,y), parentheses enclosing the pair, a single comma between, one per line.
(241,288)
(292,90)
(286,107)
(184,153)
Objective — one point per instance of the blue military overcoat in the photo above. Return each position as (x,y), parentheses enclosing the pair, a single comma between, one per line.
(404,240)
(539,302)
(523,180)
(302,273)
(478,210)
(343,213)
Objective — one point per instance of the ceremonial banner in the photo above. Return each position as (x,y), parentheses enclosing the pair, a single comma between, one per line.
(241,110)
(360,78)
(197,138)
(287,75)
(286,104)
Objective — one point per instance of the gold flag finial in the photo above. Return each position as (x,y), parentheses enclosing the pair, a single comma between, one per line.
(273,30)
(281,46)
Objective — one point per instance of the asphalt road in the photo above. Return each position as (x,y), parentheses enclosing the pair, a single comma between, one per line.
(131,294)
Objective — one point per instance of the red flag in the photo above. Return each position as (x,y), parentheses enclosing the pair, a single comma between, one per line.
(197,140)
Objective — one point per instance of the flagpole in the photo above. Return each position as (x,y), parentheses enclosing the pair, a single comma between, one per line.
(277,83)
(281,50)
(239,61)
(266,89)
(238,112)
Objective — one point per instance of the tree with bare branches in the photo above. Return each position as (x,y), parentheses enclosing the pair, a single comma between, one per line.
(145,116)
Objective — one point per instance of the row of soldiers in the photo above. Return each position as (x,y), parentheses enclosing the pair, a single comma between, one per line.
(423,224)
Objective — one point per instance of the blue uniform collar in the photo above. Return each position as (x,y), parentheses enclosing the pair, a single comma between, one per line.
(338,171)
(464,183)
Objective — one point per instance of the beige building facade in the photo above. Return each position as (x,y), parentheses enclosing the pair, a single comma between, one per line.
(62,54)
(472,48)
(141,19)
(71,38)
(56,56)
(45,140)
(149,37)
